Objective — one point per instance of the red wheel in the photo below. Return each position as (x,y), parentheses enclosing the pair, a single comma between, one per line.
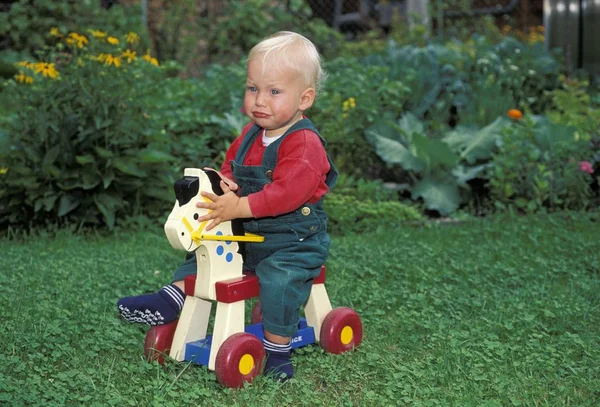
(239,360)
(158,341)
(256,316)
(341,330)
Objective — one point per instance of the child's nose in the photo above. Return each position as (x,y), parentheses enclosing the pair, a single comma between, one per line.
(260,99)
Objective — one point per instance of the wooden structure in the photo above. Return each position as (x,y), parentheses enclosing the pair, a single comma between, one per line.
(574,26)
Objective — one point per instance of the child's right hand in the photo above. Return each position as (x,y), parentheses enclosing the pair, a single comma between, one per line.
(230,183)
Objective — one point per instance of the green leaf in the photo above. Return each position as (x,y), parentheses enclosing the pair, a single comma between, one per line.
(4,142)
(108,178)
(128,167)
(464,174)
(434,153)
(49,202)
(159,193)
(150,155)
(66,205)
(85,159)
(89,180)
(100,124)
(549,135)
(51,156)
(20,169)
(107,205)
(409,125)
(438,194)
(386,129)
(232,123)
(384,138)
(31,154)
(476,144)
(521,202)
(70,183)
(103,152)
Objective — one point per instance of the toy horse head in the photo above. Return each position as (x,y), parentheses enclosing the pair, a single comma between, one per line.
(182,227)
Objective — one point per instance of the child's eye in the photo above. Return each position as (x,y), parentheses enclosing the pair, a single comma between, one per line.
(251,89)
(274,92)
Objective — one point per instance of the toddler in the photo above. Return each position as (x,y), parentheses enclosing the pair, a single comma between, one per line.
(275,176)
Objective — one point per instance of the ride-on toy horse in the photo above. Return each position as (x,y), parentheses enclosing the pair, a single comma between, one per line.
(234,351)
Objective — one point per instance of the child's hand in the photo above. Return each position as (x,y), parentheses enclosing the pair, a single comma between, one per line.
(229,182)
(223,208)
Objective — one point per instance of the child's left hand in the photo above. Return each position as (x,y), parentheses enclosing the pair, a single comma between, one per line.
(223,208)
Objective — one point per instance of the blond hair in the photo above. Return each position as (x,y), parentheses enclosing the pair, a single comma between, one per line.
(288,49)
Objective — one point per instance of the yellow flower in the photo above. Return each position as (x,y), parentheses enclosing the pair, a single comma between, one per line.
(3,170)
(112,40)
(25,64)
(150,59)
(46,69)
(132,38)
(55,32)
(77,39)
(535,36)
(22,78)
(112,60)
(99,57)
(97,33)
(129,55)
(348,104)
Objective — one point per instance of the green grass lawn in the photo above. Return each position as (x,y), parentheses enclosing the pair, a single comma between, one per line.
(499,312)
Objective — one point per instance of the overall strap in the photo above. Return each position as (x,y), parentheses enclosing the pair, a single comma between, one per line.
(272,151)
(249,138)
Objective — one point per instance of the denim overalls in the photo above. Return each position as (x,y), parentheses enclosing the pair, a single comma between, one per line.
(295,246)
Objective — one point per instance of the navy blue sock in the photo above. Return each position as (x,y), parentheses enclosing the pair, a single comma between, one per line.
(278,364)
(159,308)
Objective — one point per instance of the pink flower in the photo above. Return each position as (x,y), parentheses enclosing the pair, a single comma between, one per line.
(586,166)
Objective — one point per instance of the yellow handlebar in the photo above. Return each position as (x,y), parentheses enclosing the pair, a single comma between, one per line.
(249,237)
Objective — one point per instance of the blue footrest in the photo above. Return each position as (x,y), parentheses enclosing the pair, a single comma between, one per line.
(199,351)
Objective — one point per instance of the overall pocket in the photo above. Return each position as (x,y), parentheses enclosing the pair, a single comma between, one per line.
(306,223)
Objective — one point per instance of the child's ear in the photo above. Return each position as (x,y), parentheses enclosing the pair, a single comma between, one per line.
(307,98)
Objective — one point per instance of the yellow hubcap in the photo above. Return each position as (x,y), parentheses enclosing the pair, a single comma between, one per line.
(246,364)
(346,335)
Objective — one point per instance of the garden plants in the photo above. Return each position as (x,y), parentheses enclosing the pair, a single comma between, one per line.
(82,144)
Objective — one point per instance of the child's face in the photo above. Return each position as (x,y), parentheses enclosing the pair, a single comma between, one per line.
(275,98)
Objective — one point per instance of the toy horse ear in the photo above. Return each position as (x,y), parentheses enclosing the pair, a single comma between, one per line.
(215,181)
(186,188)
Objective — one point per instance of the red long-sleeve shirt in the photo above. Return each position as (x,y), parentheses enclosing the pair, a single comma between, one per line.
(298,177)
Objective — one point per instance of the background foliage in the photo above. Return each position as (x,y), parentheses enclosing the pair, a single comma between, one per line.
(425,115)
(537,166)
(24,27)
(87,147)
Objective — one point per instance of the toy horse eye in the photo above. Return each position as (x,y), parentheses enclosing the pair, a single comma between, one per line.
(196,216)
(186,188)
